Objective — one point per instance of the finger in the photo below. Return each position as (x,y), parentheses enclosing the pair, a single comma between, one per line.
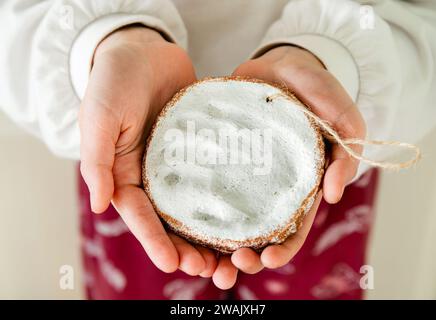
(247,260)
(137,212)
(190,259)
(97,151)
(225,274)
(340,172)
(334,105)
(210,258)
(343,167)
(276,256)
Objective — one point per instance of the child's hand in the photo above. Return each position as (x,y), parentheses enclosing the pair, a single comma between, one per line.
(304,74)
(135,73)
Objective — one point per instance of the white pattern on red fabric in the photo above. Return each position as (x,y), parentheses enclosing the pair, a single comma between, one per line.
(111,228)
(184,289)
(276,287)
(364,180)
(340,280)
(246,293)
(357,219)
(114,276)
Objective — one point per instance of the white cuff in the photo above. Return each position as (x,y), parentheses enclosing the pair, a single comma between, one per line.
(335,57)
(83,48)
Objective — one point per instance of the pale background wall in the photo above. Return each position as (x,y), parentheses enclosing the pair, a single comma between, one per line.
(404,238)
(39,227)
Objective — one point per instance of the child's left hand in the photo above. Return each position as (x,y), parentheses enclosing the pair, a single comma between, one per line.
(305,75)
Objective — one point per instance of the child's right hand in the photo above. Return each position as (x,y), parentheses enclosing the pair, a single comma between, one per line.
(135,73)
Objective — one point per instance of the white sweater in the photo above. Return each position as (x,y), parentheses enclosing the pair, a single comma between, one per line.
(383,54)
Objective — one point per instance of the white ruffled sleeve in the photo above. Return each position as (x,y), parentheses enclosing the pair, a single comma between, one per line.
(46,50)
(384,55)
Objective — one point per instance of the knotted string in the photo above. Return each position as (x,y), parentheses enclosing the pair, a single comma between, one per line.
(331,134)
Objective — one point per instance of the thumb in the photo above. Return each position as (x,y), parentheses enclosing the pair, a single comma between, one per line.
(99,133)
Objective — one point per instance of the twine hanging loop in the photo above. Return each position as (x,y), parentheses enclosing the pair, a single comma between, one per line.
(333,136)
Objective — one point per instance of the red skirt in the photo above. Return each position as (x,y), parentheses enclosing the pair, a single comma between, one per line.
(327,267)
